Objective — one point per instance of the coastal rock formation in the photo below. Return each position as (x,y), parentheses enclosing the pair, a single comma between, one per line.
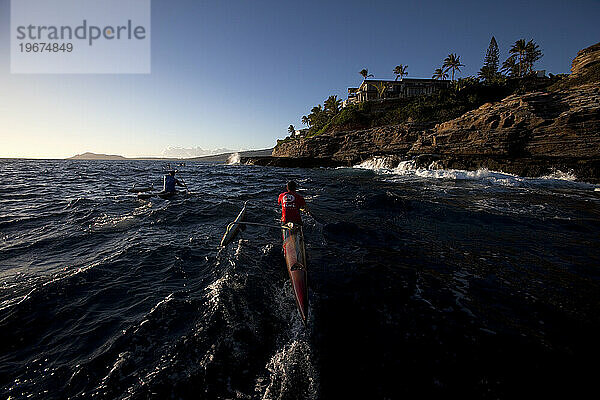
(351,147)
(531,135)
(536,124)
(585,60)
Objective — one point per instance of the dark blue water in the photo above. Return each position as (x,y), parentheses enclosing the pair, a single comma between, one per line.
(423,283)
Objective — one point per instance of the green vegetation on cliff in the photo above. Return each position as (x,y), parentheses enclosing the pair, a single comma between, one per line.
(464,95)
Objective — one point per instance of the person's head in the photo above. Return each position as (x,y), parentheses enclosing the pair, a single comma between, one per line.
(291,186)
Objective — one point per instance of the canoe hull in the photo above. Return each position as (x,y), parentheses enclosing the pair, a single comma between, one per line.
(295,259)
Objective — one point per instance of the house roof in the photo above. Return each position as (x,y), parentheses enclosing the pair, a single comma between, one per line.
(404,80)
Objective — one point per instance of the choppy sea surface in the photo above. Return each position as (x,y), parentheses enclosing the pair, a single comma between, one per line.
(423,283)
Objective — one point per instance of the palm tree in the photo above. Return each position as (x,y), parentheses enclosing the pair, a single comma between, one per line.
(532,54)
(317,117)
(439,73)
(519,48)
(291,129)
(400,70)
(381,87)
(510,67)
(305,120)
(452,62)
(365,73)
(332,105)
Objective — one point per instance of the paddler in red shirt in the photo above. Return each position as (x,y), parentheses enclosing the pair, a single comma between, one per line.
(291,204)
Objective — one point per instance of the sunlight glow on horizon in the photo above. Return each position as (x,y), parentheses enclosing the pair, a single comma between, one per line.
(237,74)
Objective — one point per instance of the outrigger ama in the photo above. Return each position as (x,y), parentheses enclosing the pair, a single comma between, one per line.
(294,251)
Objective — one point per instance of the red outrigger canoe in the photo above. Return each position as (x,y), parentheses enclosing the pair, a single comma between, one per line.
(295,259)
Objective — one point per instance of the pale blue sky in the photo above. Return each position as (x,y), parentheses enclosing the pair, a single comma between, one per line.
(235,74)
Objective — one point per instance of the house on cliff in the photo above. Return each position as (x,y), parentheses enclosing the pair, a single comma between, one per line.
(299,133)
(407,87)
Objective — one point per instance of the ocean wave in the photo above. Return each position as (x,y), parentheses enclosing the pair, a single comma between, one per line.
(408,168)
(560,176)
(233,159)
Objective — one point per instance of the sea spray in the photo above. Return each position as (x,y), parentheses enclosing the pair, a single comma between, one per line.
(233,159)
(378,163)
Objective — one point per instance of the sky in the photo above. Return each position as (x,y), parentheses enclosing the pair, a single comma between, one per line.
(236,74)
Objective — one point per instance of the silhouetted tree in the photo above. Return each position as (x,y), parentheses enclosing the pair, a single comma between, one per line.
(452,62)
(532,54)
(365,73)
(489,70)
(518,49)
(439,73)
(401,71)
(523,57)
(511,67)
(317,117)
(291,129)
(332,105)
(305,120)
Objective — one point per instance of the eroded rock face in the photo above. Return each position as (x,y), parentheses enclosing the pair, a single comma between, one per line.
(528,135)
(585,59)
(351,147)
(559,124)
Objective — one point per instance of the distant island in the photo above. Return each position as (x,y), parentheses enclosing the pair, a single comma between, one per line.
(224,157)
(95,156)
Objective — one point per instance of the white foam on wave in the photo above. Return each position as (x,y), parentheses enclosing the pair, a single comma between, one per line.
(375,164)
(106,222)
(233,159)
(408,168)
(291,372)
(291,369)
(560,176)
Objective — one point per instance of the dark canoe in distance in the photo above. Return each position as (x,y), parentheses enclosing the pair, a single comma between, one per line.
(140,189)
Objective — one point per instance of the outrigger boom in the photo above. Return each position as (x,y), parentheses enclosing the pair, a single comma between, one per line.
(294,252)
(258,224)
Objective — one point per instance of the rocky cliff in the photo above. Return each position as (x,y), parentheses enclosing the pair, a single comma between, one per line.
(530,134)
(350,147)
(585,61)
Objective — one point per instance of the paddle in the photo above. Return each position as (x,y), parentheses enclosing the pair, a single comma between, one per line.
(185,186)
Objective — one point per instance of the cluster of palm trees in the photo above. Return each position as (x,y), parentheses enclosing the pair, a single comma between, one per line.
(400,71)
(519,63)
(320,115)
(451,63)
(523,56)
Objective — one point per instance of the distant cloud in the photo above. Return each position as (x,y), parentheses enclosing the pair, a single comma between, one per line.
(182,152)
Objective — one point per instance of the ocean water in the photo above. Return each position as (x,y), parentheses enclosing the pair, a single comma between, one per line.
(423,283)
